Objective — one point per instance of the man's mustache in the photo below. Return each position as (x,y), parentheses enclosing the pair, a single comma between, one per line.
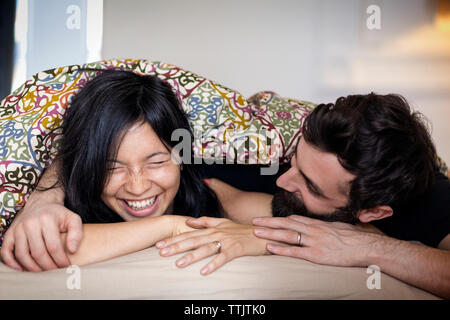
(285,203)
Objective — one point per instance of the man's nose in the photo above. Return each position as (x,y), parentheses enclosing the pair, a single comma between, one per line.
(286,182)
(137,184)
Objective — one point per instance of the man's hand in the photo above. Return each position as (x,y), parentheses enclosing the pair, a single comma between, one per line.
(33,240)
(330,243)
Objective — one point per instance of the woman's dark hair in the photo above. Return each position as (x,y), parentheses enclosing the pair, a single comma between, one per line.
(379,140)
(94,125)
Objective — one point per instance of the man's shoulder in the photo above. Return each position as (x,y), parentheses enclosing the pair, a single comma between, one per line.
(425,218)
(439,194)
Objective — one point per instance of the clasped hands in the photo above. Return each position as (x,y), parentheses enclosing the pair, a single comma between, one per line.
(330,243)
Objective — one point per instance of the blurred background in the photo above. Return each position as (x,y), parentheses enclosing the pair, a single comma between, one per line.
(315,50)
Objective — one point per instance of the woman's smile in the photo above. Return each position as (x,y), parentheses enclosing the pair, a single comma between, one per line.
(141,208)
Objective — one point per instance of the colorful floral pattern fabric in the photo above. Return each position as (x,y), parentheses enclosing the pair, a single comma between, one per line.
(227,127)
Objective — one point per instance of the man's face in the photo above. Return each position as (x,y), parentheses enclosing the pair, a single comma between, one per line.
(316,186)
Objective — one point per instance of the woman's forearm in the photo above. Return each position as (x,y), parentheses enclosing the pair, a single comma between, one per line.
(109,240)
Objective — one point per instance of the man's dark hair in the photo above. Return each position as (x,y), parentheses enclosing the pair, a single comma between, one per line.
(98,118)
(380,140)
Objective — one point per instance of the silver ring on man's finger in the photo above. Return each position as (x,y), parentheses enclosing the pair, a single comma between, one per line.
(299,239)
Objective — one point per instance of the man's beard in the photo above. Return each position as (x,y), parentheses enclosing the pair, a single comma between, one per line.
(286,203)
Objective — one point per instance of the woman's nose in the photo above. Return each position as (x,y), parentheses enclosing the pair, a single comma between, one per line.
(286,181)
(137,184)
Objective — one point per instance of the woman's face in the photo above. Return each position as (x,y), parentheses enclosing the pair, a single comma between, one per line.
(143,180)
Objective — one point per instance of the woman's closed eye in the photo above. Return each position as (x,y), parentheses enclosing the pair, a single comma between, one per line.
(152,164)
(115,169)
(157,163)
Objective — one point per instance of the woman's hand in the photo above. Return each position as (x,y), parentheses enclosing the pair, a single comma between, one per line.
(236,240)
(178,224)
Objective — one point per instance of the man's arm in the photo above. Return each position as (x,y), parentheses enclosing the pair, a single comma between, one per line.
(421,266)
(241,206)
(340,244)
(34,234)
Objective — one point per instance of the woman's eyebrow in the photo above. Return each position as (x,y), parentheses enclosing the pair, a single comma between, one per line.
(146,158)
(156,154)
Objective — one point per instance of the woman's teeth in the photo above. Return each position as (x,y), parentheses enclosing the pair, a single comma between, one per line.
(139,205)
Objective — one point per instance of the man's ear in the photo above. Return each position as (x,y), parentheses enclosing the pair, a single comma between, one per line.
(377,213)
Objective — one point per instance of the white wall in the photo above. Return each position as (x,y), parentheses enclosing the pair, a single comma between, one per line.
(69,38)
(55,33)
(311,50)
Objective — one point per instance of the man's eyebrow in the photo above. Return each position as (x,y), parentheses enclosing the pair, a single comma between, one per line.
(312,184)
(146,158)
(307,179)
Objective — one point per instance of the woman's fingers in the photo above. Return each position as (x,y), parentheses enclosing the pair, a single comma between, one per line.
(198,254)
(205,222)
(204,247)
(215,264)
(191,234)
(186,244)
(202,253)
